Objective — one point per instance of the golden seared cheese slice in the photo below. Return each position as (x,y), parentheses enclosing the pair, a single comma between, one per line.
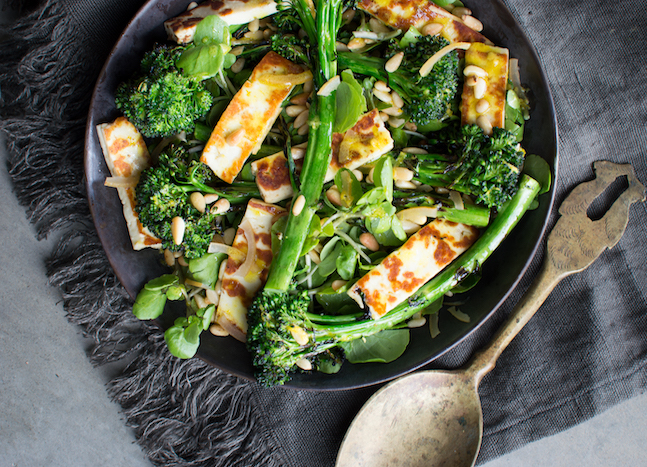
(182,28)
(404,271)
(248,118)
(126,155)
(238,291)
(403,14)
(364,142)
(487,110)
(273,177)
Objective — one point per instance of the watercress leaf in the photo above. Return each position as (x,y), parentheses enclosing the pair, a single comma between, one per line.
(204,61)
(207,316)
(349,187)
(149,304)
(434,307)
(328,230)
(193,330)
(538,169)
(205,268)
(350,102)
(400,137)
(212,30)
(329,263)
(276,234)
(389,238)
(372,196)
(412,36)
(334,300)
(383,347)
(397,229)
(162,282)
(346,262)
(229,60)
(383,176)
(177,343)
(175,292)
(328,248)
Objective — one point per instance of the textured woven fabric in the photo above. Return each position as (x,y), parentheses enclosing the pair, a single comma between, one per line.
(583,352)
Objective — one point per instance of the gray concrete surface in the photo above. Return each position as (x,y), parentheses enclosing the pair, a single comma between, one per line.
(55,412)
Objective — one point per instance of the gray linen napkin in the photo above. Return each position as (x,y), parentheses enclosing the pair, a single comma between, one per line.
(582,353)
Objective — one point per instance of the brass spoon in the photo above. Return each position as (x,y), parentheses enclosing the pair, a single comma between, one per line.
(434,418)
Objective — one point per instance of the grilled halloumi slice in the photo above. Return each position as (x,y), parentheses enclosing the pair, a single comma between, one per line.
(182,28)
(405,270)
(494,61)
(126,156)
(403,14)
(249,117)
(364,142)
(238,291)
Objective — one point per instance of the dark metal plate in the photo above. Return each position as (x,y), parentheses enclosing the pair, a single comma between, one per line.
(500,273)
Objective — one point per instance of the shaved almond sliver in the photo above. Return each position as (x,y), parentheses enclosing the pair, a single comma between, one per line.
(121,182)
(286,80)
(426,68)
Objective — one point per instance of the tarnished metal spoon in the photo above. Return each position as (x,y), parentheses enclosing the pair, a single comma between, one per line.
(434,418)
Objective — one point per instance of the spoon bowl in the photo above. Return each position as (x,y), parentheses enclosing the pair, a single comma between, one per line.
(434,418)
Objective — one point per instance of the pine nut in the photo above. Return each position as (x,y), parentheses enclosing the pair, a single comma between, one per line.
(235,137)
(405,185)
(473,70)
(472,23)
(294,110)
(221,273)
(471,81)
(300,335)
(301,119)
(298,153)
(411,126)
(298,205)
(381,86)
(329,86)
(413,216)
(432,29)
(409,227)
(303,130)
(396,122)
(308,86)
(384,116)
(182,261)
(485,124)
(338,284)
(218,330)
(358,175)
(348,15)
(460,11)
(191,6)
(253,25)
(402,174)
(169,259)
(314,256)
(341,47)
(300,99)
(254,35)
(392,111)
(416,323)
(228,236)
(197,200)
(238,65)
(369,178)
(212,296)
(393,63)
(239,49)
(304,364)
(378,26)
(480,88)
(334,196)
(267,33)
(368,240)
(397,100)
(383,96)
(356,43)
(200,301)
(482,106)
(177,229)
(210,198)
(222,206)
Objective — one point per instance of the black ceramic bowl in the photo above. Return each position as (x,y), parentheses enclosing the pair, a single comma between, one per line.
(501,272)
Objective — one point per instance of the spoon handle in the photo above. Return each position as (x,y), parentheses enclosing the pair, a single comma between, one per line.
(575,242)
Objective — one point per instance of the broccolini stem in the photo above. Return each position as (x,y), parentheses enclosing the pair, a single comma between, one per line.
(467,263)
(318,153)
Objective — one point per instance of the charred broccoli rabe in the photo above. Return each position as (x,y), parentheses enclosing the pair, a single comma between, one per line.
(467,160)
(160,100)
(163,193)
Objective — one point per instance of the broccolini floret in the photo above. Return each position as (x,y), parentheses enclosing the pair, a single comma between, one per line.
(159,100)
(467,160)
(427,99)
